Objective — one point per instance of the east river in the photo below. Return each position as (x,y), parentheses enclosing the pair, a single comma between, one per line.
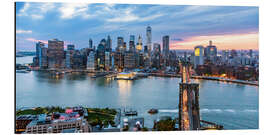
(235,106)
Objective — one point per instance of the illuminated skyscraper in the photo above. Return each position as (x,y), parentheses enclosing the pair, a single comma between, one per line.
(198,56)
(139,44)
(120,44)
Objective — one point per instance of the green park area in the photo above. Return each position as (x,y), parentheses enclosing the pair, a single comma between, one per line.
(101,116)
(96,116)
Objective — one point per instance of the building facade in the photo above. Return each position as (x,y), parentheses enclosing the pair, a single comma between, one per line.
(198,56)
(56,54)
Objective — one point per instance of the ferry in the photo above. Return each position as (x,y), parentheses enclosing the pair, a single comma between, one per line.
(130,113)
(126,76)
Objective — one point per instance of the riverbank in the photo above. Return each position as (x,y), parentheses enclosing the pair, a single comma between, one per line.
(225,80)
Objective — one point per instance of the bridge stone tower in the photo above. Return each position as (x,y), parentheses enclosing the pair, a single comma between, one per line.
(189,111)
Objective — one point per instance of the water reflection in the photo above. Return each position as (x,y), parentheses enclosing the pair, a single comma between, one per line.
(124,87)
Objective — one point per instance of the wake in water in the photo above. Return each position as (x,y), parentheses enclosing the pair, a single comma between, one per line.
(205,110)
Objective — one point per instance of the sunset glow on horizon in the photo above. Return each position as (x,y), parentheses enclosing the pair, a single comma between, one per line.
(222,42)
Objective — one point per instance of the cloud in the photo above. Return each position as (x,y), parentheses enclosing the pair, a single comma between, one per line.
(36,11)
(127,15)
(23,31)
(70,10)
(36,40)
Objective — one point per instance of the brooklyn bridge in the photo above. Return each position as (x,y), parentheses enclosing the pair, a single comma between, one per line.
(189,109)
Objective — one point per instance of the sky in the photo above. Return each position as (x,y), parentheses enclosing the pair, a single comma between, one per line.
(229,27)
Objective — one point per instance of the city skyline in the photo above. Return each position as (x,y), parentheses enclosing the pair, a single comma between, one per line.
(187,26)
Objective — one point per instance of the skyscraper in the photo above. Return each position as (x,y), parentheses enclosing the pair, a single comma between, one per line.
(198,56)
(107,60)
(120,44)
(101,56)
(91,59)
(211,52)
(139,44)
(156,55)
(69,56)
(149,39)
(56,54)
(90,43)
(38,46)
(108,44)
(132,43)
(132,38)
(166,48)
(43,59)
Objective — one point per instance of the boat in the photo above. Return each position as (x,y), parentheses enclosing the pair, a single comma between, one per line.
(130,113)
(153,111)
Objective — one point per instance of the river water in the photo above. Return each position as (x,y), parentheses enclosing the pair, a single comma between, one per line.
(235,106)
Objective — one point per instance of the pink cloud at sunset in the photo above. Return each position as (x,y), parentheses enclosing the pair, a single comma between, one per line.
(229,41)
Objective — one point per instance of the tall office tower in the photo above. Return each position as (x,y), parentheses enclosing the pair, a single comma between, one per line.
(145,50)
(156,48)
(139,44)
(125,46)
(109,44)
(198,56)
(38,46)
(149,39)
(69,56)
(120,44)
(129,60)
(166,48)
(101,57)
(107,60)
(91,61)
(132,43)
(56,54)
(119,61)
(225,56)
(250,53)
(43,59)
(156,56)
(90,43)
(211,52)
